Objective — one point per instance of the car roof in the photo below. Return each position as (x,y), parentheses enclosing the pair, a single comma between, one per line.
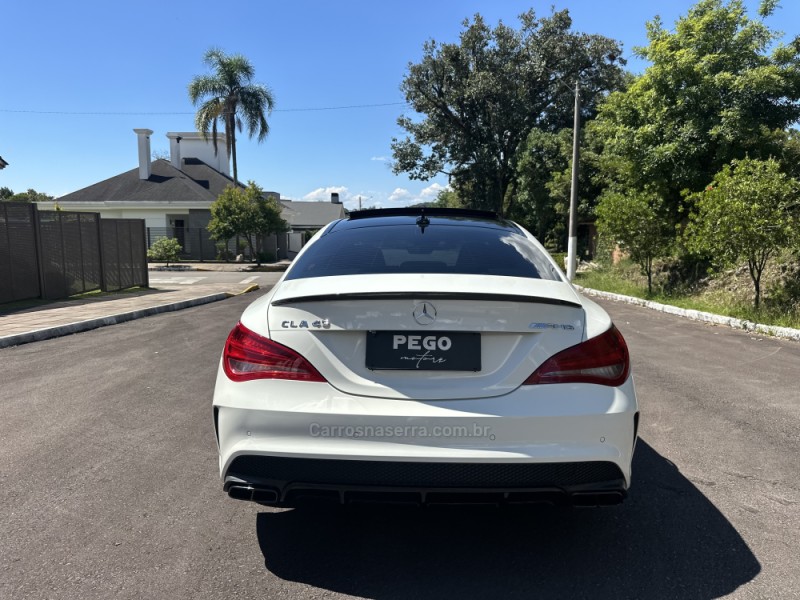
(423,217)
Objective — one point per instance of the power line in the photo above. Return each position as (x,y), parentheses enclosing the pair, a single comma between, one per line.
(134,113)
(340,107)
(80,113)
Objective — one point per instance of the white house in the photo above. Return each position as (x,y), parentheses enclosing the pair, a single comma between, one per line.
(174,196)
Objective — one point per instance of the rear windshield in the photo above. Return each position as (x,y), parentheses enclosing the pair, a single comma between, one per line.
(440,249)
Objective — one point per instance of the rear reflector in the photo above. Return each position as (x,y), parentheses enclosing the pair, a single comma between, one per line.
(602,360)
(248,355)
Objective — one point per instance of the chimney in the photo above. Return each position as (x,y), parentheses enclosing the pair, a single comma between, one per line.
(175,149)
(144,152)
(335,198)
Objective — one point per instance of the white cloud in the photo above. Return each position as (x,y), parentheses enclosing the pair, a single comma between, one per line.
(324,194)
(373,198)
(430,192)
(380,158)
(404,197)
(400,195)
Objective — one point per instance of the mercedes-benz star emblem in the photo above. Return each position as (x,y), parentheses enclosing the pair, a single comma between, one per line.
(424,313)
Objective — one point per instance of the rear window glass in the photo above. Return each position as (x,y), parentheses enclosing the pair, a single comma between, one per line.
(406,249)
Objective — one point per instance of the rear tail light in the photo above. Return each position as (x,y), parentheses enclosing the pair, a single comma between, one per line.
(603,360)
(248,355)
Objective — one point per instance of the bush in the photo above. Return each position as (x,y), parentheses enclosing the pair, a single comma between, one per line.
(165,250)
(247,213)
(640,224)
(560,259)
(604,251)
(747,213)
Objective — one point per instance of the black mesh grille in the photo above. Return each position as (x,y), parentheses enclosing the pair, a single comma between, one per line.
(52,255)
(421,474)
(124,260)
(108,240)
(90,249)
(19,276)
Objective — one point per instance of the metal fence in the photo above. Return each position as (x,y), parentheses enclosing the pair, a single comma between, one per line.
(55,254)
(197,244)
(69,254)
(124,253)
(19,272)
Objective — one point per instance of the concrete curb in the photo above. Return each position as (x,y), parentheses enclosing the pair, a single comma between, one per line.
(247,290)
(697,315)
(70,328)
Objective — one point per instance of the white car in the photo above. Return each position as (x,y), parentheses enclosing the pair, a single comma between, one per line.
(425,356)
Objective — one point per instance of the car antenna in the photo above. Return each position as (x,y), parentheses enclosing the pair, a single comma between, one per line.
(423,221)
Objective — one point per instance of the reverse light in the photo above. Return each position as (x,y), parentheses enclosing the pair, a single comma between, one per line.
(602,360)
(248,356)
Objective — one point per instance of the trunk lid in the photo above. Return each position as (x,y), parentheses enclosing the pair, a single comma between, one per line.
(407,322)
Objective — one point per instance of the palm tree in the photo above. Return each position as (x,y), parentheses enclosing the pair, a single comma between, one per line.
(228,95)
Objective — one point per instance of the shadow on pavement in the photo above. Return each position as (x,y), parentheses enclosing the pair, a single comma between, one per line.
(37,305)
(666,541)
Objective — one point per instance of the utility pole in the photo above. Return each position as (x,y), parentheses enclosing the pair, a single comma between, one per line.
(359,201)
(572,243)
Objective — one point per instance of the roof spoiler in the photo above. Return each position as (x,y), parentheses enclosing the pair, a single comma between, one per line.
(416,211)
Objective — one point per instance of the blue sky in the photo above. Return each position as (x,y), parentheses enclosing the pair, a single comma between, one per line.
(78,77)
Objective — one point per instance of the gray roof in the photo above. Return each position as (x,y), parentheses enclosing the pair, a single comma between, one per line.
(310,215)
(197,182)
(3,164)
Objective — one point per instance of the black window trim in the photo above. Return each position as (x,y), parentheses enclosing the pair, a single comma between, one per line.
(416,211)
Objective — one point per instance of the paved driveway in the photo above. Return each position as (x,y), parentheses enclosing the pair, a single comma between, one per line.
(109,488)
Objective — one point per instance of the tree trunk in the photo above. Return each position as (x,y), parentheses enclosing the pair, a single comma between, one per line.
(756,270)
(501,193)
(757,282)
(233,149)
(510,193)
(253,254)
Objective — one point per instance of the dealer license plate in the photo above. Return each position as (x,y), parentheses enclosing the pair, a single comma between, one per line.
(430,351)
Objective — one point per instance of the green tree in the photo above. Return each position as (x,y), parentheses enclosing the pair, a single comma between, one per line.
(228,95)
(544,183)
(718,89)
(245,212)
(478,100)
(31,195)
(638,222)
(749,212)
(447,198)
(542,202)
(165,250)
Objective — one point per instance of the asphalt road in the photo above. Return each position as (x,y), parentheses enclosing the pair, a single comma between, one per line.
(109,487)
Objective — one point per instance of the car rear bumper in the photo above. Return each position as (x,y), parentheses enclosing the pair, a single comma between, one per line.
(288,441)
